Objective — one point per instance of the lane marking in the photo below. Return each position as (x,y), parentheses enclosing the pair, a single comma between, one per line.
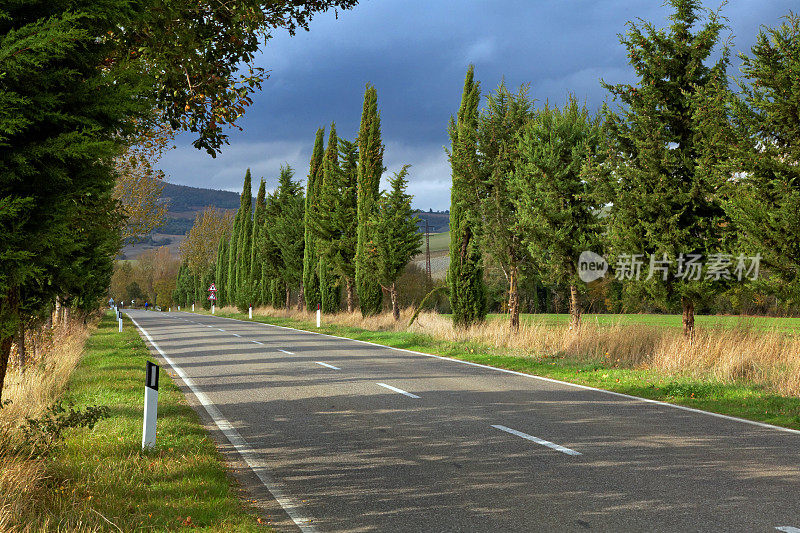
(256,342)
(284,351)
(258,467)
(326,364)
(537,440)
(235,334)
(540,378)
(788,529)
(401,391)
(222,330)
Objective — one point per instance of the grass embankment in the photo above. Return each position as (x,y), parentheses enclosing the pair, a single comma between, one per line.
(743,372)
(100,480)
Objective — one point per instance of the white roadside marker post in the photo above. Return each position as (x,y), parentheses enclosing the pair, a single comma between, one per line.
(250,313)
(150,406)
(212,308)
(192,308)
(179,308)
(319,315)
(119,320)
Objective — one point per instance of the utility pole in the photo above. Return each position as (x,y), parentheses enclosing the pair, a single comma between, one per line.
(428,253)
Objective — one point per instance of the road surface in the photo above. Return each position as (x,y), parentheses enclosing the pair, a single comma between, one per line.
(351,436)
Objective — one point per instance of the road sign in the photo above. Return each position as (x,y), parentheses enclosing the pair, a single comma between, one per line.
(213,287)
(212,296)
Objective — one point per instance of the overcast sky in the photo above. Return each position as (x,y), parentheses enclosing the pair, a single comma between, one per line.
(416,53)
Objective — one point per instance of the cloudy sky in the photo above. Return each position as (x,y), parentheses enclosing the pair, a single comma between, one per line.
(416,52)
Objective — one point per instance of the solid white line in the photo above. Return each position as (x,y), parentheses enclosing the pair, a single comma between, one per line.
(788,529)
(401,391)
(256,342)
(537,440)
(326,364)
(540,378)
(244,449)
(284,351)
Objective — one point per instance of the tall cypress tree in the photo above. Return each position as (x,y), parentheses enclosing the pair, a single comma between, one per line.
(241,296)
(328,282)
(286,233)
(370,168)
(664,200)
(221,280)
(465,275)
(233,244)
(310,259)
(259,216)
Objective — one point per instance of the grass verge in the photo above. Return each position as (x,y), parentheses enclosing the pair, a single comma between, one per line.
(744,400)
(100,480)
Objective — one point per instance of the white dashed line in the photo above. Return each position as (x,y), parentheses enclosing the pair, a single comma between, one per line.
(327,365)
(401,391)
(235,334)
(284,351)
(537,440)
(256,342)
(788,529)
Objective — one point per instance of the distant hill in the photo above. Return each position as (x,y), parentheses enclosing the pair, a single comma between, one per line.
(185,202)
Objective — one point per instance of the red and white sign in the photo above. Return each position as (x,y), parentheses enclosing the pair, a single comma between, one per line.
(213,287)
(212,296)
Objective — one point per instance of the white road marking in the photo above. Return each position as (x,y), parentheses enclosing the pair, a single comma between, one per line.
(235,334)
(401,391)
(326,364)
(245,450)
(537,440)
(284,351)
(256,342)
(222,330)
(788,529)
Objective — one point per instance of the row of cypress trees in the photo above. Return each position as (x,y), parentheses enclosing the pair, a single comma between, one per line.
(342,235)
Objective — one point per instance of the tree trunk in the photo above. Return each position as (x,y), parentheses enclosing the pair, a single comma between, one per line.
(349,289)
(513,298)
(688,317)
(57,313)
(301,299)
(5,351)
(10,310)
(20,342)
(395,304)
(574,307)
(289,297)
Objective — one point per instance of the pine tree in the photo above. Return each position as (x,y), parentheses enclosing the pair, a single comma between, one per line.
(553,197)
(663,204)
(310,258)
(465,274)
(337,224)
(766,201)
(395,235)
(259,216)
(328,282)
(499,125)
(286,233)
(370,169)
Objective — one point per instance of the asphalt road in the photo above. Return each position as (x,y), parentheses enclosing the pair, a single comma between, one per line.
(350,436)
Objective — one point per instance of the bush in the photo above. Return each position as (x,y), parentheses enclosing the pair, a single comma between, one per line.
(41,434)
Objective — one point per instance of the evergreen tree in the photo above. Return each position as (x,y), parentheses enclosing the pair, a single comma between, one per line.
(555,202)
(240,251)
(395,235)
(337,224)
(221,279)
(665,205)
(286,233)
(328,282)
(465,274)
(499,125)
(310,259)
(370,169)
(766,201)
(259,217)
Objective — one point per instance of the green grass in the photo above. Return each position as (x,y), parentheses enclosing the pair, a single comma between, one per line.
(740,400)
(439,241)
(104,472)
(788,325)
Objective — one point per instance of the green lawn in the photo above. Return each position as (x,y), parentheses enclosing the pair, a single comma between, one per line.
(717,321)
(743,401)
(439,242)
(104,472)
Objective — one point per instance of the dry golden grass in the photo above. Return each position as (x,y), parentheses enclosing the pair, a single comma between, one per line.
(744,355)
(23,479)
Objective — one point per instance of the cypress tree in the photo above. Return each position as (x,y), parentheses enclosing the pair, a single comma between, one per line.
(664,203)
(240,247)
(328,282)
(259,217)
(286,233)
(221,280)
(310,260)
(370,168)
(465,274)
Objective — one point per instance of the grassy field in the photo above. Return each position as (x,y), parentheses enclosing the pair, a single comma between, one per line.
(787,325)
(100,480)
(439,242)
(738,397)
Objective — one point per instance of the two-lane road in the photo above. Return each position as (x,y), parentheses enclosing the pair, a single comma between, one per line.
(351,436)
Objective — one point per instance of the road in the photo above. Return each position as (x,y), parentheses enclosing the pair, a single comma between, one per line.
(352,436)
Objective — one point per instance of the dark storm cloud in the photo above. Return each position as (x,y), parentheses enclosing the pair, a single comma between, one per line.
(416,54)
